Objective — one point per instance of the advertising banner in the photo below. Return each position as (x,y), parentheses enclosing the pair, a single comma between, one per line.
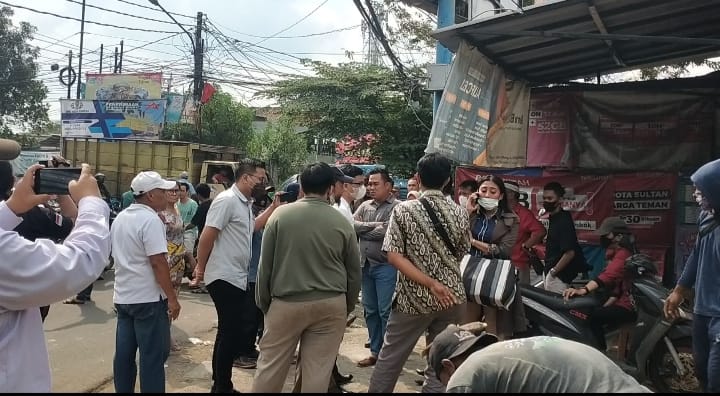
(549,130)
(628,130)
(469,106)
(132,86)
(118,119)
(29,158)
(507,138)
(175,106)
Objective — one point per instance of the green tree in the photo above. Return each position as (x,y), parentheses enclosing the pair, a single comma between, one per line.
(21,95)
(281,147)
(25,141)
(224,122)
(357,99)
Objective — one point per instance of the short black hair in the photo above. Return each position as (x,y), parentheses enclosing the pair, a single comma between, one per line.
(434,170)
(203,190)
(7,179)
(555,187)
(384,174)
(317,178)
(470,185)
(248,166)
(183,183)
(351,170)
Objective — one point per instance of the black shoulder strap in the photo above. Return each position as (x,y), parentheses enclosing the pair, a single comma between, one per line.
(438,225)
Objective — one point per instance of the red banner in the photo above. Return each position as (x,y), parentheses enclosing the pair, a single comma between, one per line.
(549,130)
(643,200)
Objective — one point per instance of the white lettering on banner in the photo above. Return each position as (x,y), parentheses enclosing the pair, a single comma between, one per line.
(643,200)
(643,205)
(636,219)
(471,88)
(658,194)
(582,225)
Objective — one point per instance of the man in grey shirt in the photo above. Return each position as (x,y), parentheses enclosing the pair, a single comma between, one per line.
(468,360)
(378,276)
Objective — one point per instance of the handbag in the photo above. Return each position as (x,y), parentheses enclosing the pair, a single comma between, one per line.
(489,281)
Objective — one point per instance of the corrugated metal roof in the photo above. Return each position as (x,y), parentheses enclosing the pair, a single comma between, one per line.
(569,39)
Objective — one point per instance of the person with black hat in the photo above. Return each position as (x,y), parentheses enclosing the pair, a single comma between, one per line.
(619,243)
(469,360)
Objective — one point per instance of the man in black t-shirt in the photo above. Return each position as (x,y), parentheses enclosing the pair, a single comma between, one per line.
(564,258)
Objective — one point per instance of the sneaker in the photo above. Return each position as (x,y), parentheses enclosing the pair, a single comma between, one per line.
(245,362)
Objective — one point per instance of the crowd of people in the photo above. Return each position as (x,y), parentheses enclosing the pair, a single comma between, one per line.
(283,296)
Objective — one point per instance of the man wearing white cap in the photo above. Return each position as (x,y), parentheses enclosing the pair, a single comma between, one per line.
(144,296)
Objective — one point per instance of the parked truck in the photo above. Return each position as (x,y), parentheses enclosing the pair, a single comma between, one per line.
(121,159)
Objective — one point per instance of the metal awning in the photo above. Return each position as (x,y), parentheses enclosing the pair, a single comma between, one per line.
(563,40)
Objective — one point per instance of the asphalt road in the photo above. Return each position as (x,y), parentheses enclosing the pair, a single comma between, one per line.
(81,338)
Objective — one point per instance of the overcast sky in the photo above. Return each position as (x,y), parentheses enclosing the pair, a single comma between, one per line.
(240,20)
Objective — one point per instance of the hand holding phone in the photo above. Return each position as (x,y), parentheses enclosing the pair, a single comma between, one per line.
(55,180)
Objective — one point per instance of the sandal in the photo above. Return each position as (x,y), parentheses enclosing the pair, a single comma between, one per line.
(74,300)
(199,290)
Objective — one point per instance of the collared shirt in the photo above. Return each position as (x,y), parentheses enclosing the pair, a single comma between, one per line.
(231,214)
(371,236)
(137,233)
(346,210)
(35,274)
(412,234)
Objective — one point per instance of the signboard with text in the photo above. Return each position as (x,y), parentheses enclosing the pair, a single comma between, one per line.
(131,86)
(117,119)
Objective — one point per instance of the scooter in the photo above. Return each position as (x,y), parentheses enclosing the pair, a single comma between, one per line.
(659,351)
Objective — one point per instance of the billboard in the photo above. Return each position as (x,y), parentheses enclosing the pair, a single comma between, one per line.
(175,107)
(117,119)
(133,86)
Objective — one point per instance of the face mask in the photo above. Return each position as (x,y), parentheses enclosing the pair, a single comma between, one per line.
(488,203)
(550,206)
(258,192)
(360,192)
(463,200)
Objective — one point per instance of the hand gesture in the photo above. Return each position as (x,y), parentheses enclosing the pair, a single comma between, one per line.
(472,204)
(24,198)
(276,199)
(445,296)
(571,292)
(85,186)
(671,309)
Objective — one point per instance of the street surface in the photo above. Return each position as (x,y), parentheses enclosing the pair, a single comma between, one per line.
(81,343)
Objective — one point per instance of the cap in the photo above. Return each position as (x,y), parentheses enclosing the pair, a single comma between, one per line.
(184,175)
(612,224)
(293,188)
(341,177)
(147,181)
(512,185)
(454,341)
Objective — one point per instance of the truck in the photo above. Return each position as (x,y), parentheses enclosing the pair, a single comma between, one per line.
(121,159)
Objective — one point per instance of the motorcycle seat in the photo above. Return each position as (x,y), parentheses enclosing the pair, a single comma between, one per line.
(556,301)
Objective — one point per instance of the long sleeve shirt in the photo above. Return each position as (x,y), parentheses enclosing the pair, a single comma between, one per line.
(34,274)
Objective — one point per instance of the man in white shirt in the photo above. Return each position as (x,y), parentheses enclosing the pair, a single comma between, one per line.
(351,191)
(33,274)
(223,263)
(144,297)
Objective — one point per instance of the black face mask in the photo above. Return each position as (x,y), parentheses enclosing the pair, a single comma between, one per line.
(258,192)
(550,206)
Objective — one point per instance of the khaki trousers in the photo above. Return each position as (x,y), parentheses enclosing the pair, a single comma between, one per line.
(318,326)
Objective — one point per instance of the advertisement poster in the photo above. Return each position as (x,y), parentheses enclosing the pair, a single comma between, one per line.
(468,107)
(175,107)
(642,131)
(141,119)
(507,138)
(549,130)
(646,202)
(131,86)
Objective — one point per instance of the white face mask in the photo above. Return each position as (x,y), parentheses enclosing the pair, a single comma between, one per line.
(463,199)
(360,193)
(489,203)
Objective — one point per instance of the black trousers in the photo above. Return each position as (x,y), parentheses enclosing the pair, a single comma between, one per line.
(233,321)
(252,327)
(612,315)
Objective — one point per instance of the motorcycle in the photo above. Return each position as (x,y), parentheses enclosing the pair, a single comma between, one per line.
(659,351)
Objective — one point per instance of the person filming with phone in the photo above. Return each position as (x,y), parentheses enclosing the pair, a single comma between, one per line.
(42,272)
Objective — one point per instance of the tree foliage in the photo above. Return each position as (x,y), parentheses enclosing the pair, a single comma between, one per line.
(280,146)
(357,99)
(223,120)
(21,95)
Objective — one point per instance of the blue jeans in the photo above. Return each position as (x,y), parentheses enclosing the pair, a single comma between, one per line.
(145,327)
(378,286)
(706,348)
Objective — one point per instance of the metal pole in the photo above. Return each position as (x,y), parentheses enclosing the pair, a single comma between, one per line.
(121,56)
(115,65)
(445,18)
(197,75)
(82,36)
(69,74)
(101,57)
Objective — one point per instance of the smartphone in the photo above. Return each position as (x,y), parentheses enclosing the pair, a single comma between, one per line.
(288,196)
(55,180)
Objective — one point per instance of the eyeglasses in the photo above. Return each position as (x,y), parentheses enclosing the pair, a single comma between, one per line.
(262,179)
(173,191)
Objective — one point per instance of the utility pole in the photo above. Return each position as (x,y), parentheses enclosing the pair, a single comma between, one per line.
(101,57)
(445,18)
(82,34)
(121,56)
(198,54)
(115,65)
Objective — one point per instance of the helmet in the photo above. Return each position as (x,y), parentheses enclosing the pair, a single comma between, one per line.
(639,265)
(100,177)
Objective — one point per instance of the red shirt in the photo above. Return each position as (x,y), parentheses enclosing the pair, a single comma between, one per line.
(613,277)
(529,224)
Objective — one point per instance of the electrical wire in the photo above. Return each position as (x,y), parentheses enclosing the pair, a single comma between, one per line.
(155,9)
(123,13)
(294,24)
(293,37)
(80,20)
